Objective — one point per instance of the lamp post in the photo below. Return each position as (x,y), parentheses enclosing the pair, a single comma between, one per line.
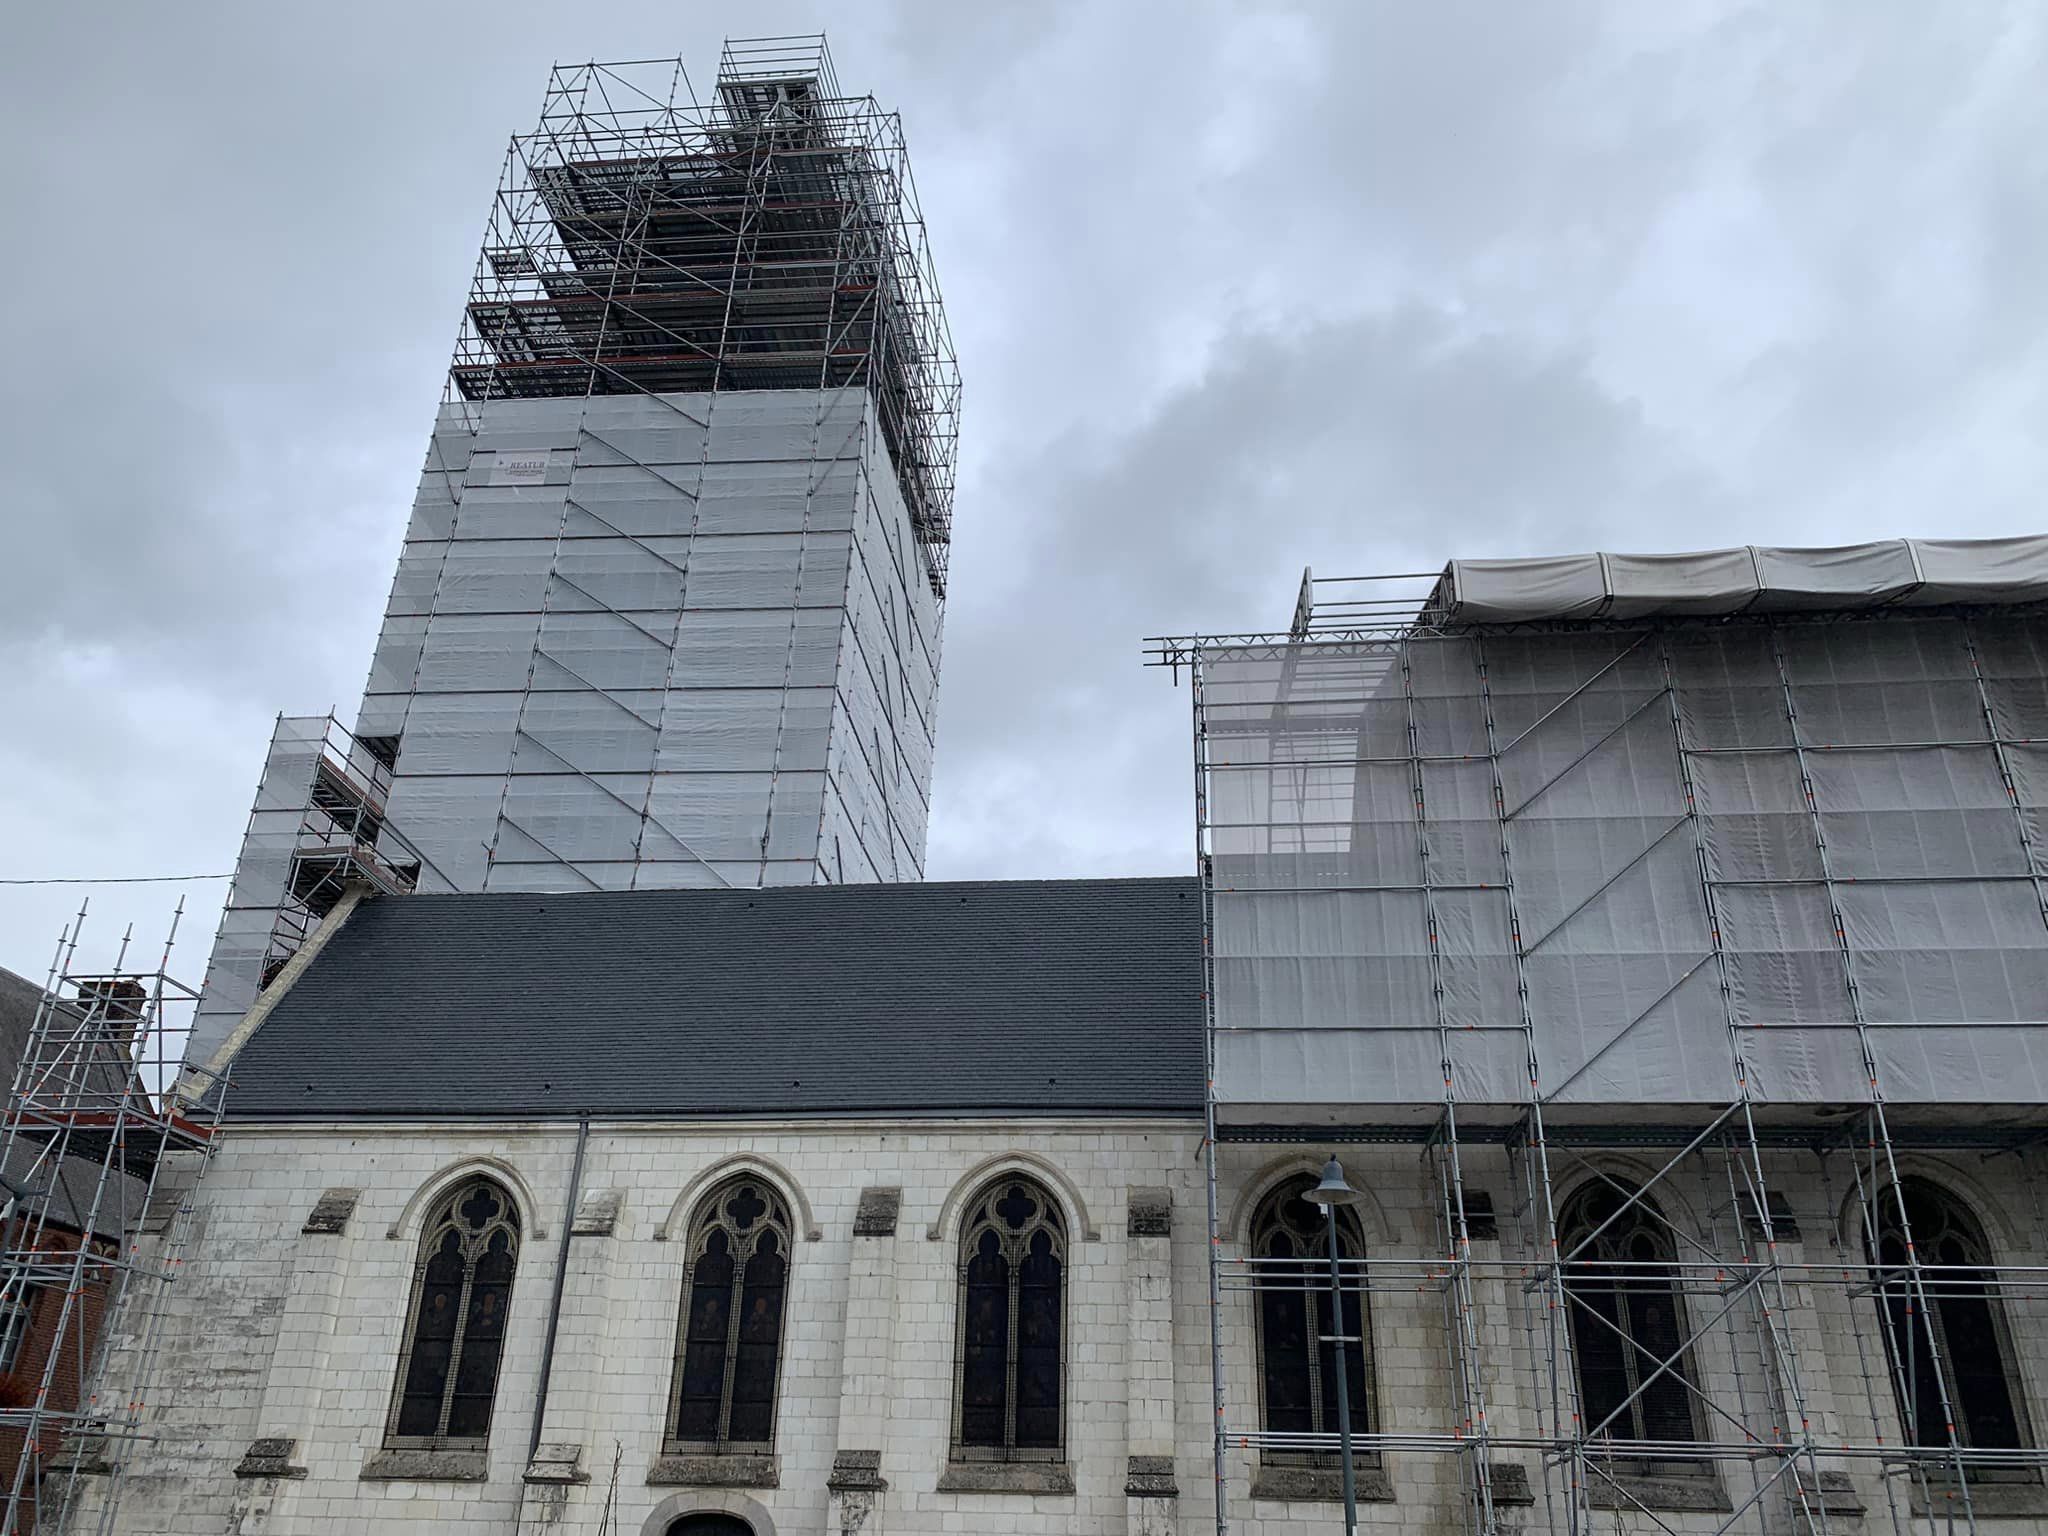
(1330,1194)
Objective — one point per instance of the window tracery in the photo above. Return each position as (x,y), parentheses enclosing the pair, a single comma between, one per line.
(1010,1398)
(729,1336)
(455,1332)
(1628,1326)
(1297,1368)
(1970,1360)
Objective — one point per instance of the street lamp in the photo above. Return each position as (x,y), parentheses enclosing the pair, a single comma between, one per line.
(1330,1194)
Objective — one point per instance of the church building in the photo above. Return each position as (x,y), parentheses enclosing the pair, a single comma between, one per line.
(1668,985)
(810,1208)
(594,1124)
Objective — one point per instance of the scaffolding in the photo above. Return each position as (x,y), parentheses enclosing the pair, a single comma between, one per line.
(670,602)
(1752,899)
(669,606)
(102,1153)
(645,242)
(319,825)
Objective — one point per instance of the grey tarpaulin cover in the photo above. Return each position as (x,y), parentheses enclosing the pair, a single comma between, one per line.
(680,640)
(1701,852)
(1908,572)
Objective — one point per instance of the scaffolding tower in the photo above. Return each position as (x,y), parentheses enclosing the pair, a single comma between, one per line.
(1753,897)
(670,601)
(669,606)
(643,242)
(102,1152)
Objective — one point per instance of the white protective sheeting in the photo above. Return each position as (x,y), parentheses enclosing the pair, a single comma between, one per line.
(1914,572)
(689,640)
(234,975)
(1683,856)
(637,641)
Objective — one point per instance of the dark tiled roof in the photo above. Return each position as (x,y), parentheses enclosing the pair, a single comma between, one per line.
(1028,996)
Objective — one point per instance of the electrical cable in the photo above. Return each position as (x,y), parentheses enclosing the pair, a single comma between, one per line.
(116,879)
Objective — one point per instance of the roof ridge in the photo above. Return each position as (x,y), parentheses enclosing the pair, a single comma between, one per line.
(848,890)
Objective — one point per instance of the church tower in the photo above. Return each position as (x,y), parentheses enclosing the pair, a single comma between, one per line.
(669,604)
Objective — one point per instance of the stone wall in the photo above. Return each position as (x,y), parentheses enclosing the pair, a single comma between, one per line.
(278,1359)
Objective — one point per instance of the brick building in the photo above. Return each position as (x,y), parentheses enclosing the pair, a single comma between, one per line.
(40,1351)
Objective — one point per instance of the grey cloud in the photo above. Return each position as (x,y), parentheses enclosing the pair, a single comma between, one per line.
(1238,287)
(1375,445)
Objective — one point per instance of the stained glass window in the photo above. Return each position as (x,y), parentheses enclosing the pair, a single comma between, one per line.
(1297,1363)
(455,1340)
(729,1345)
(1628,1327)
(1956,1300)
(1011,1400)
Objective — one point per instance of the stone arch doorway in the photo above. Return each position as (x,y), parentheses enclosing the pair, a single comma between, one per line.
(709,1523)
(708,1512)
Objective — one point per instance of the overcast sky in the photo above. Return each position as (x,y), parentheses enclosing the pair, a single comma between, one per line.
(1236,289)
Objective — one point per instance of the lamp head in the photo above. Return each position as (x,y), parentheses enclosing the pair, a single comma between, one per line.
(1333,1190)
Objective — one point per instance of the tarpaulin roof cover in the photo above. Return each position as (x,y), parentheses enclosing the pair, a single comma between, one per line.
(1888,573)
(1666,862)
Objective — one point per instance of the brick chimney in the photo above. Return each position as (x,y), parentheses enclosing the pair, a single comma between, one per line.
(116,1004)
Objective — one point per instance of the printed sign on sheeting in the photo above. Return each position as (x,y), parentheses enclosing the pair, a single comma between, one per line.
(520,468)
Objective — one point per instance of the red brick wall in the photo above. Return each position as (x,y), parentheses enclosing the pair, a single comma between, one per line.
(73,1352)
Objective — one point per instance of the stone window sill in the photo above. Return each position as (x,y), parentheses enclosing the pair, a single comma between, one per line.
(1695,1492)
(1994,1495)
(704,1469)
(1054,1477)
(425,1466)
(1321,1485)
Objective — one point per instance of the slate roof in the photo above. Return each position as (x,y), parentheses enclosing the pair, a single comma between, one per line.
(1032,997)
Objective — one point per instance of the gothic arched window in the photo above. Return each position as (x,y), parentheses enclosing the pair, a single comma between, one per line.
(1290,1245)
(455,1336)
(729,1339)
(1628,1328)
(1963,1312)
(1013,1253)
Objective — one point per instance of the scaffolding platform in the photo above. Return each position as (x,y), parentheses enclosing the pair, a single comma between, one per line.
(1732,863)
(320,824)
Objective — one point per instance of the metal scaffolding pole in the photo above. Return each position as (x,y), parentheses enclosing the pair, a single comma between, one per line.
(96,1114)
(1291,717)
